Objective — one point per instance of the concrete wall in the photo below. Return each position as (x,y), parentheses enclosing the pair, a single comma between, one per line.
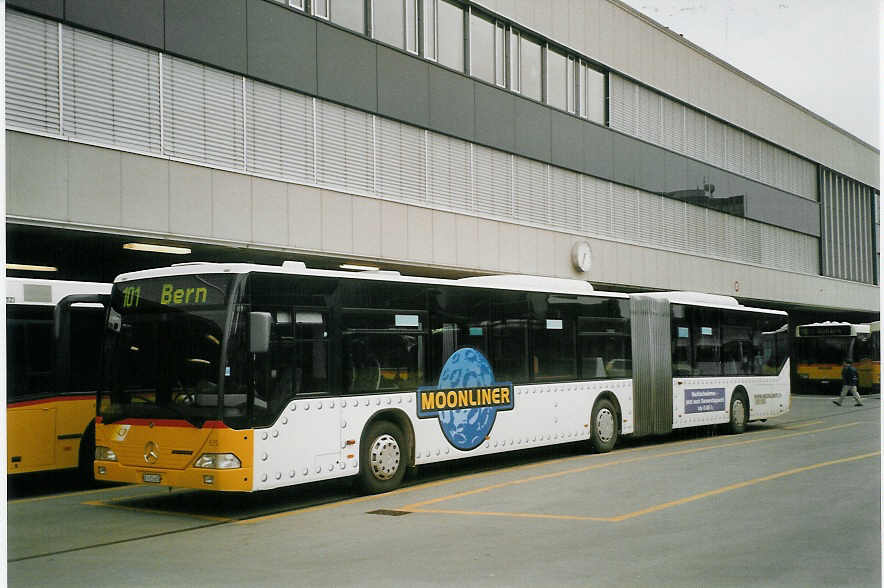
(50,181)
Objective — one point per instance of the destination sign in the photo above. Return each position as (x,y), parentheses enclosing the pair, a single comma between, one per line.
(824,331)
(173,291)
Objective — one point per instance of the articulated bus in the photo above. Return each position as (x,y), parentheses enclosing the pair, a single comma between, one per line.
(53,344)
(822,348)
(241,377)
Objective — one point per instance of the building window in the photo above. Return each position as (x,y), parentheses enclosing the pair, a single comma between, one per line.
(348,13)
(320,8)
(395,22)
(591,93)
(299,4)
(450,39)
(515,66)
(530,68)
(556,79)
(429,44)
(500,55)
(482,57)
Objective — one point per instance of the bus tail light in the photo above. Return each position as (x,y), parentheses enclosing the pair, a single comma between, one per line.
(218,461)
(105,453)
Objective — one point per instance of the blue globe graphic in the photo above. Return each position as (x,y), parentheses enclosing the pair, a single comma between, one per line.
(466,428)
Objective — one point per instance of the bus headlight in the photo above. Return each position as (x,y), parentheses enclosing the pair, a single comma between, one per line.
(105,453)
(218,461)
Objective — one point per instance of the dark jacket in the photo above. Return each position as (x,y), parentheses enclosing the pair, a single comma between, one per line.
(849,376)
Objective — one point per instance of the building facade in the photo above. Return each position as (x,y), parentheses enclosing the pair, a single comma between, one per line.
(574,138)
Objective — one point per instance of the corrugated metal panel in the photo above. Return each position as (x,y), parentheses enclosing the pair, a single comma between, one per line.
(111,91)
(279,132)
(673,125)
(623,104)
(674,223)
(715,142)
(401,161)
(651,365)
(650,116)
(651,225)
(695,134)
(344,148)
(31,73)
(716,234)
(625,213)
(596,207)
(753,242)
(564,199)
(751,157)
(696,229)
(203,113)
(494,187)
(733,149)
(530,191)
(450,184)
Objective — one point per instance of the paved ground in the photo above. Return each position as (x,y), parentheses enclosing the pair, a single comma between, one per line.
(792,502)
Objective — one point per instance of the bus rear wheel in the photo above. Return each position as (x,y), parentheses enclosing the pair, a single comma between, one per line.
(383,458)
(739,413)
(604,430)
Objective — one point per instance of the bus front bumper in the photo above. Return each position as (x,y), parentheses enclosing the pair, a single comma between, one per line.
(232,480)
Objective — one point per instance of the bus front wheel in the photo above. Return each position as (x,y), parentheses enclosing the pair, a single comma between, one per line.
(739,412)
(382,458)
(604,429)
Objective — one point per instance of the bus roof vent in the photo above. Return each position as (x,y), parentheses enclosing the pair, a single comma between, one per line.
(698,298)
(186,263)
(524,282)
(295,267)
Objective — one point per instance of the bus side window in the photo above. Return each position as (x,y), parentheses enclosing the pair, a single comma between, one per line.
(707,342)
(383,351)
(682,349)
(29,348)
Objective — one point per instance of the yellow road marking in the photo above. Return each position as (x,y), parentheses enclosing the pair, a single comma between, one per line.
(651,509)
(801,426)
(581,469)
(157,511)
(739,485)
(516,515)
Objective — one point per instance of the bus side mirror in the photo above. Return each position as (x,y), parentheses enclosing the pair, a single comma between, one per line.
(259,331)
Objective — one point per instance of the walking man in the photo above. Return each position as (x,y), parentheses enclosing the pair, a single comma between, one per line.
(849,382)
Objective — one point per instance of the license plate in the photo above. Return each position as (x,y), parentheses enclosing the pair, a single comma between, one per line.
(151,478)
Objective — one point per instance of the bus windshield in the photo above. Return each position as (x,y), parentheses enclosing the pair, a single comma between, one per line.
(833,350)
(164,347)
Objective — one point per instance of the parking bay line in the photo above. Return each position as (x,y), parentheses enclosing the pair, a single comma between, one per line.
(420,506)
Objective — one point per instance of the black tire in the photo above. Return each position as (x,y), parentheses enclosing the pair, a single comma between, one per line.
(383,458)
(86,457)
(739,413)
(604,426)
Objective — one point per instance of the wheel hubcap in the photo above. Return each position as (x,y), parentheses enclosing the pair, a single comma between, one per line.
(604,425)
(384,457)
(738,412)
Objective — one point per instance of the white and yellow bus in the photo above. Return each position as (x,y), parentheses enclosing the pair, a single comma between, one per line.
(245,377)
(53,345)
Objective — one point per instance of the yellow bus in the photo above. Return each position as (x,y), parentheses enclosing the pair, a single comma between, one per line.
(822,348)
(867,358)
(53,345)
(239,377)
